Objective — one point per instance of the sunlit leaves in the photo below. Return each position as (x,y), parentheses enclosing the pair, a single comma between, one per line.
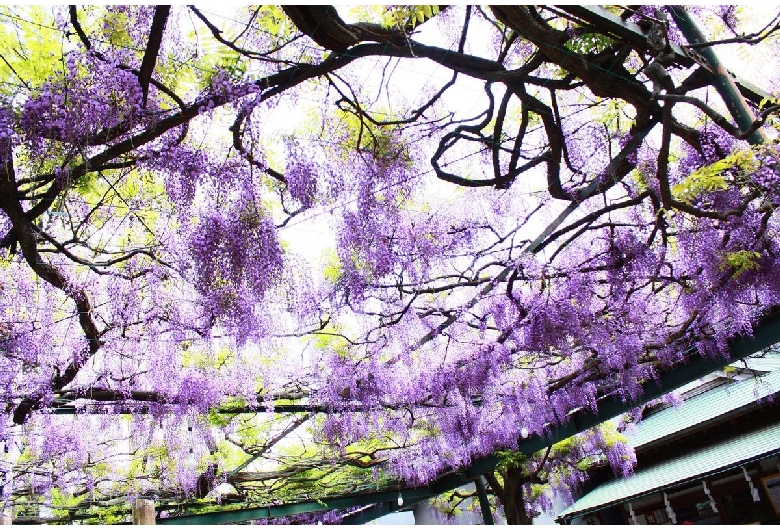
(713,177)
(116,25)
(740,261)
(30,48)
(381,142)
(405,17)
(589,43)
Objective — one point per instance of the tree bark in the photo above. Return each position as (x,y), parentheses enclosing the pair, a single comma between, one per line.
(510,495)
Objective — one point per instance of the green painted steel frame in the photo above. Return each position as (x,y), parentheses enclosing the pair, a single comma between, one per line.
(719,77)
(631,33)
(388,501)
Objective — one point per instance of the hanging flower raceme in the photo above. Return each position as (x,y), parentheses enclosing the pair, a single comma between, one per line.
(236,258)
(84,110)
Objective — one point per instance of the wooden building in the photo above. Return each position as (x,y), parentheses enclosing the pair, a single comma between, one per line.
(712,460)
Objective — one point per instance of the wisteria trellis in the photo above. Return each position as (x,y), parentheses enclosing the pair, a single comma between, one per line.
(146,245)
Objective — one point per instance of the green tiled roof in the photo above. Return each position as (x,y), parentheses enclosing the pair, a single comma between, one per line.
(769,362)
(692,467)
(705,408)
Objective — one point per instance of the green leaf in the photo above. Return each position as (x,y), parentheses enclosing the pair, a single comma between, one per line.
(30,54)
(712,178)
(740,261)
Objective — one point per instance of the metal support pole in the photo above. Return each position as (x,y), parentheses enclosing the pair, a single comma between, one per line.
(629,32)
(721,79)
(484,504)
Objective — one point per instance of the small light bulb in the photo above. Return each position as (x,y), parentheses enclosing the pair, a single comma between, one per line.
(191,463)
(524,433)
(400,499)
(159,434)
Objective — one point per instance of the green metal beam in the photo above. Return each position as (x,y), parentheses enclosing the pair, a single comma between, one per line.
(625,30)
(765,335)
(721,78)
(121,408)
(369,514)
(410,496)
(374,512)
(631,33)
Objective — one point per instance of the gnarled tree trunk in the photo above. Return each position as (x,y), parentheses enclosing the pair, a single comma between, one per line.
(510,495)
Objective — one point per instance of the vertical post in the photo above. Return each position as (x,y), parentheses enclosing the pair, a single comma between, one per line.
(484,504)
(631,512)
(6,516)
(709,496)
(143,511)
(723,82)
(669,510)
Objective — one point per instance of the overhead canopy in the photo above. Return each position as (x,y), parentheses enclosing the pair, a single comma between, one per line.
(689,468)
